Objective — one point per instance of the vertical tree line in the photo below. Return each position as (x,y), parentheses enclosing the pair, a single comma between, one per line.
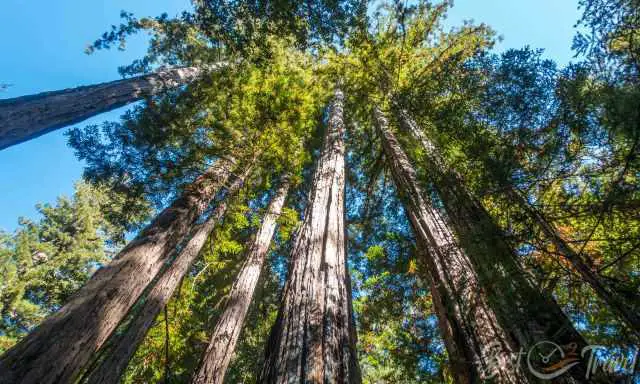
(313,339)
(73,335)
(227,331)
(469,263)
(483,190)
(156,300)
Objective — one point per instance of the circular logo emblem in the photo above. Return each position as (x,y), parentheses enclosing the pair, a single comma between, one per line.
(547,360)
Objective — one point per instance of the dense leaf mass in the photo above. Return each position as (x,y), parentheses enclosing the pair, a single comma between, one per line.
(547,155)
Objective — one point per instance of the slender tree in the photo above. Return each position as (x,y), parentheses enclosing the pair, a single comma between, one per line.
(313,340)
(24,118)
(227,331)
(487,306)
(61,346)
(110,370)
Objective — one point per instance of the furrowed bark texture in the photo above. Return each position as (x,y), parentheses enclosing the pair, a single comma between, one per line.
(229,325)
(62,345)
(450,179)
(622,307)
(111,369)
(27,117)
(313,340)
(486,305)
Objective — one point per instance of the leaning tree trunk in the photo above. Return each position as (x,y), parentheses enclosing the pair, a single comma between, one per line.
(451,180)
(313,340)
(58,349)
(227,330)
(487,307)
(113,366)
(24,118)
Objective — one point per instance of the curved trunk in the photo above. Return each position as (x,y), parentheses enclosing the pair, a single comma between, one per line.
(111,369)
(27,117)
(229,325)
(489,311)
(313,340)
(58,349)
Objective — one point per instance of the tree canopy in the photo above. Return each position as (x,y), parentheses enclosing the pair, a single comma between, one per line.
(505,146)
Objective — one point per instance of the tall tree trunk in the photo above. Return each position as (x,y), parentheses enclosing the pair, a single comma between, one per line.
(24,118)
(313,340)
(111,369)
(229,325)
(604,290)
(58,349)
(486,305)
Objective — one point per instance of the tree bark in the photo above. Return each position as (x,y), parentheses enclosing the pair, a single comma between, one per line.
(313,340)
(111,369)
(488,309)
(229,325)
(57,350)
(27,117)
(608,294)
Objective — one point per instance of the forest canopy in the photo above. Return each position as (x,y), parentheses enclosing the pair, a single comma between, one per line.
(335,192)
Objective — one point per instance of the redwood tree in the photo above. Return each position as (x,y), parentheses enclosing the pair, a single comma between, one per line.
(487,306)
(27,117)
(62,345)
(447,180)
(227,331)
(111,368)
(313,339)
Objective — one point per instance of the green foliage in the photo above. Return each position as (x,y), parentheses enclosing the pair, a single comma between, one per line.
(195,308)
(246,22)
(610,38)
(238,111)
(46,261)
(567,138)
(234,31)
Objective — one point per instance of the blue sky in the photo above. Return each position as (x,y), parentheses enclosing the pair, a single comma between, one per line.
(42,49)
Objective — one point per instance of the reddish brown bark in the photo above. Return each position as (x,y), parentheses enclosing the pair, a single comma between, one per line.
(111,369)
(229,325)
(24,118)
(607,293)
(486,304)
(313,340)
(61,346)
